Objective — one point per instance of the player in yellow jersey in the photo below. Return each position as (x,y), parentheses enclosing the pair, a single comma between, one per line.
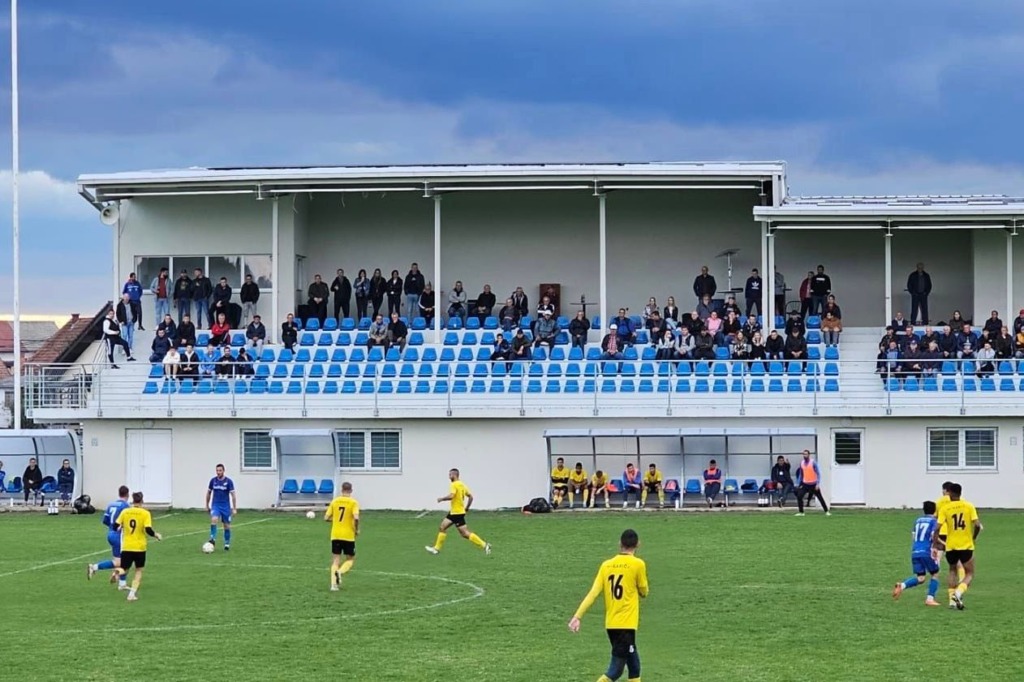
(578,485)
(135,524)
(653,484)
(461,500)
(559,482)
(343,515)
(599,484)
(939,504)
(960,519)
(623,580)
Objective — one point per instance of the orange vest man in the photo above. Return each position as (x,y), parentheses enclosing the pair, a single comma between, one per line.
(808,479)
(712,482)
(631,484)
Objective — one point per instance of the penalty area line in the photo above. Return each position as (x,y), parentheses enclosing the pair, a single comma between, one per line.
(72,560)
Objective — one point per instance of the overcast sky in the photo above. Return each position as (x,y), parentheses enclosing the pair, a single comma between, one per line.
(859,96)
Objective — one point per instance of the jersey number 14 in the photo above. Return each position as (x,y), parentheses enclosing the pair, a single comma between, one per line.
(958,521)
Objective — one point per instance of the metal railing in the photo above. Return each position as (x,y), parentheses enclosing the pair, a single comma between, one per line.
(664,387)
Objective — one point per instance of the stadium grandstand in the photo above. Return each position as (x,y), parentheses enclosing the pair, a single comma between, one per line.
(889,414)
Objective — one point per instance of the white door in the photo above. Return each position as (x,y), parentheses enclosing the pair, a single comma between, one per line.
(148,463)
(847,467)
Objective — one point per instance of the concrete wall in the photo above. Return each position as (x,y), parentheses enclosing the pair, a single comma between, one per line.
(506,463)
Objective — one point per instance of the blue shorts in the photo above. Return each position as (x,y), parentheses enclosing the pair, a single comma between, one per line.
(114,540)
(223,512)
(923,564)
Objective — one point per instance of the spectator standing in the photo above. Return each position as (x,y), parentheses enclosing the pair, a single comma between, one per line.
(186,331)
(712,483)
(125,319)
(161,344)
(342,289)
(289,332)
(134,290)
(457,300)
(221,300)
(66,478)
(398,332)
(919,286)
(413,288)
(250,297)
(521,301)
(318,295)
(32,480)
(579,329)
(485,302)
(780,293)
(426,304)
(112,338)
(611,349)
(256,334)
(202,289)
(378,333)
(183,295)
(395,289)
(783,480)
(161,289)
(362,291)
(808,479)
(704,285)
(805,295)
(752,291)
(821,287)
(378,287)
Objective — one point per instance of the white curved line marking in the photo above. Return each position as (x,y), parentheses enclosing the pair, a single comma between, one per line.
(107,551)
(476,594)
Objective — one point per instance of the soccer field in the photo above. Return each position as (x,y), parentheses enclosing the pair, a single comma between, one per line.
(734,596)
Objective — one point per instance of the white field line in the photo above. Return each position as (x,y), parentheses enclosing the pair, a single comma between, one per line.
(422,514)
(72,560)
(476,594)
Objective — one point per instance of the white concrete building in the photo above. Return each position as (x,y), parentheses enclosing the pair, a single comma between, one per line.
(609,234)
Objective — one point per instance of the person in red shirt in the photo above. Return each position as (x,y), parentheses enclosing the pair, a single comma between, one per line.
(220,331)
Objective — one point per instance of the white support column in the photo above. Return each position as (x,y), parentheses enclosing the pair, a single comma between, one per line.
(888,277)
(771,283)
(602,259)
(438,303)
(767,279)
(275,269)
(1009,276)
(116,290)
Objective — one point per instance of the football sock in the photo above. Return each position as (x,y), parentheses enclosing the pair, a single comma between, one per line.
(105,565)
(572,498)
(960,573)
(477,540)
(951,591)
(439,542)
(346,566)
(933,587)
(961,589)
(586,497)
(227,536)
(661,501)
(213,531)
(911,582)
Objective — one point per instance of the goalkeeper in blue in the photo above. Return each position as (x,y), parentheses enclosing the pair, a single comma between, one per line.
(921,558)
(110,516)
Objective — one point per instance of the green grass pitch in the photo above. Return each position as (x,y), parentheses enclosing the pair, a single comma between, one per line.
(734,596)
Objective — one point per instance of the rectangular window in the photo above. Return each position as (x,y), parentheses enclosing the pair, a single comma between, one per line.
(847,447)
(257,451)
(262,270)
(962,448)
(385,450)
(148,268)
(226,266)
(351,447)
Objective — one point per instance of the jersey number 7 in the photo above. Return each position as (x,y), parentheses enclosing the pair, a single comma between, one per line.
(615,581)
(341,512)
(958,522)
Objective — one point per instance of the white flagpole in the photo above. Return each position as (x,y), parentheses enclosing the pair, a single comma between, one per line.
(15,221)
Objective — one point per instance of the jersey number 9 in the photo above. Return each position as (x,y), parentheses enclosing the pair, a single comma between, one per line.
(615,582)
(131,525)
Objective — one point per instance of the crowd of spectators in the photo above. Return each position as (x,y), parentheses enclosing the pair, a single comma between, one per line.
(32,482)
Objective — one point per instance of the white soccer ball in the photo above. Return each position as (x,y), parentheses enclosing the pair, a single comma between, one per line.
(310,515)
(208,548)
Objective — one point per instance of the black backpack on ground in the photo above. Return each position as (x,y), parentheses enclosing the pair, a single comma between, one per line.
(83,505)
(538,505)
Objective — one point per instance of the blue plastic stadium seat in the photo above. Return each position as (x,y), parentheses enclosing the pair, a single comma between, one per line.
(720,369)
(813,337)
(366,386)
(948,368)
(388,371)
(572,386)
(693,487)
(348,386)
(150,388)
(479,386)
(320,355)
(572,369)
(497,386)
(308,487)
(553,386)
(376,354)
(664,386)
(303,355)
(831,385)
(294,387)
(290,486)
(307,339)
(628,369)
(575,353)
(630,354)
(1006,384)
(893,384)
(794,386)
(831,369)
(701,386)
(393,355)
(408,371)
(831,353)
(650,353)
(364,323)
(642,338)
(589,386)
(682,386)
(558,354)
(349,325)
(757,385)
(627,386)
(362,338)
(465,355)
(169,387)
(343,339)
(608,386)
(970,384)
(325,339)
(702,369)
(647,369)
(911,385)
(330,388)
(312,324)
(719,386)
(460,386)
(472,323)
(454,323)
(988,384)
(813,322)
(646,386)
(756,369)
(775,385)
(443,370)
(490,322)
(203,339)
(469,338)
(554,370)
(284,355)
(330,324)
(429,355)
(275,387)
(813,353)
(418,324)
(422,386)
(540,353)
(721,353)
(593,353)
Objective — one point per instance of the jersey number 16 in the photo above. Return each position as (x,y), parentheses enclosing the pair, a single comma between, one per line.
(615,583)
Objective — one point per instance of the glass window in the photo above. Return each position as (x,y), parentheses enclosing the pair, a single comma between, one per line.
(189,263)
(147,268)
(385,450)
(262,270)
(226,266)
(257,450)
(847,447)
(980,448)
(943,448)
(351,447)
(962,448)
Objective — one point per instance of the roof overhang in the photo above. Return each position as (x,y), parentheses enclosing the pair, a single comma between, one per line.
(894,213)
(262,183)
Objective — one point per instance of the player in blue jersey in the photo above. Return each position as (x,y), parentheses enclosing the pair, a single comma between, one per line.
(921,557)
(222,505)
(113,511)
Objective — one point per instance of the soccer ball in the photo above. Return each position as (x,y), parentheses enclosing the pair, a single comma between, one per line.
(207,548)
(310,515)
